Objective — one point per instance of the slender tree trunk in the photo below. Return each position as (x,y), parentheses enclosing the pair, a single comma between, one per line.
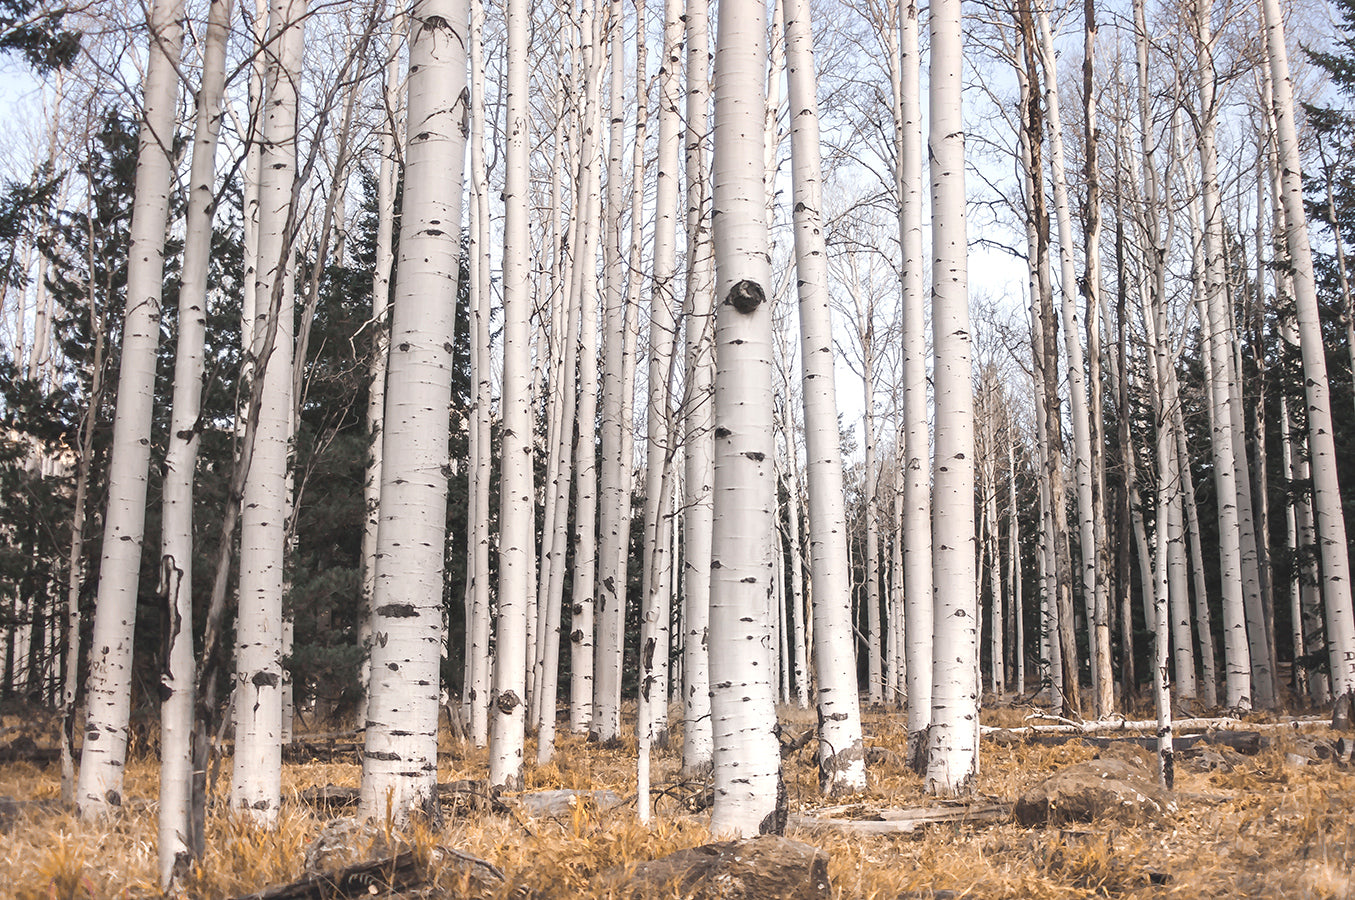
(516,509)
(698,416)
(841,755)
(953,740)
(917,501)
(176,549)
(482,460)
(618,350)
(256,782)
(109,682)
(1327,508)
(1238,654)
(1103,697)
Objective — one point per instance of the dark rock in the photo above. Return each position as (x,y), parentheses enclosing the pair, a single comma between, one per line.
(1098,788)
(760,868)
(1006,738)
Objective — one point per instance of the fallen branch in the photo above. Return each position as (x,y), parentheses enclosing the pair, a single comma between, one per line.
(1100,726)
(899,821)
(394,873)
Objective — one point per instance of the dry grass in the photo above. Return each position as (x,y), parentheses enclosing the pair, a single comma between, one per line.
(1268,828)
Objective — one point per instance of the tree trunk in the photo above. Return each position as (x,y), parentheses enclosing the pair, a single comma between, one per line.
(1327,508)
(953,740)
(109,682)
(841,755)
(516,510)
(176,546)
(749,795)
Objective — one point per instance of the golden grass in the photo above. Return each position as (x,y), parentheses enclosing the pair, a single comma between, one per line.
(1268,828)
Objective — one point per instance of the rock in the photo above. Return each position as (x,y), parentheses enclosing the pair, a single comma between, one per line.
(1006,738)
(1112,788)
(1210,759)
(1308,750)
(345,842)
(755,869)
(548,804)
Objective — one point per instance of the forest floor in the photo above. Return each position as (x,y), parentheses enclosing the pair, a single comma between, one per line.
(1267,826)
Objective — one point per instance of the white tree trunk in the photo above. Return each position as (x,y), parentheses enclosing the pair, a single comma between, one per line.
(176,546)
(917,500)
(1077,388)
(399,773)
(1327,509)
(953,739)
(516,510)
(841,757)
(749,795)
(482,460)
(615,426)
(699,414)
(256,782)
(109,683)
(1214,319)
(660,433)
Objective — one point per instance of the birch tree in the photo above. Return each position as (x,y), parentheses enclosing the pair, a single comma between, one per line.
(1327,508)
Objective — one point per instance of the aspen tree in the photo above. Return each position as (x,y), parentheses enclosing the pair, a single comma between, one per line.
(660,433)
(516,510)
(478,623)
(841,756)
(400,756)
(953,739)
(1238,655)
(1327,509)
(109,682)
(176,547)
(386,185)
(622,275)
(1077,388)
(698,415)
(256,780)
(749,795)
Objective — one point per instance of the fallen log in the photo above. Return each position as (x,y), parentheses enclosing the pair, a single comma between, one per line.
(897,820)
(1059,725)
(364,879)
(1248,743)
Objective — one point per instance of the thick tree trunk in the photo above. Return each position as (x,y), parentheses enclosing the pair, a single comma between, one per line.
(749,795)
